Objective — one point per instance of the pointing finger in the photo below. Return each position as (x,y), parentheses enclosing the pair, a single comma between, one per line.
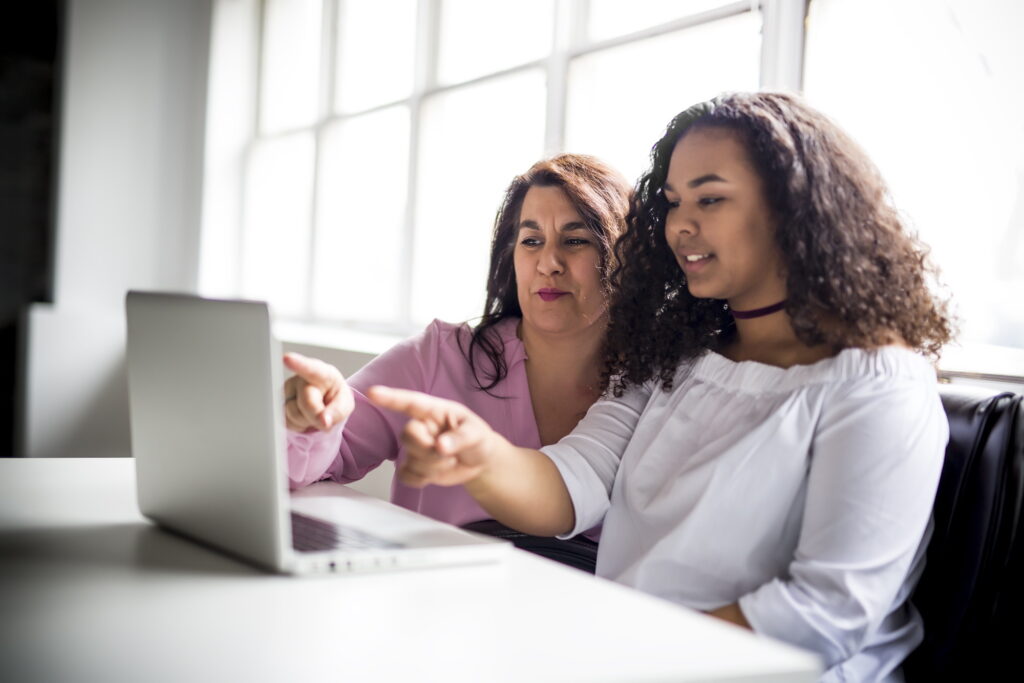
(312,370)
(416,405)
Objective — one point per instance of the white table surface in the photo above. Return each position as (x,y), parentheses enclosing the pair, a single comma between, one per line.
(92,591)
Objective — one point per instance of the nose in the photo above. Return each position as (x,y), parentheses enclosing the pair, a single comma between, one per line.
(550,261)
(678,222)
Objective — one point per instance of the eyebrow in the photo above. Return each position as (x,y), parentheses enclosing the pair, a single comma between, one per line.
(697,182)
(568,227)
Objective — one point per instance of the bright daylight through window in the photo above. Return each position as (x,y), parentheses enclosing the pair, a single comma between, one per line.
(357,150)
(938,105)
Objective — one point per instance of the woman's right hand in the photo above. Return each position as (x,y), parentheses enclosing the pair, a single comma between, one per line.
(445,442)
(448,444)
(317,397)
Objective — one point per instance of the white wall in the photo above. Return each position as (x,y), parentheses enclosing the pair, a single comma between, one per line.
(129,199)
(129,211)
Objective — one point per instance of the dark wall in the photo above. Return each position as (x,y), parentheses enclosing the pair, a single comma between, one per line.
(30,39)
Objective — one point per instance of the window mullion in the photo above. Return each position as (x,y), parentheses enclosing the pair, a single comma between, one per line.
(428,22)
(261,29)
(247,152)
(328,22)
(782,44)
(331,15)
(558,75)
(580,22)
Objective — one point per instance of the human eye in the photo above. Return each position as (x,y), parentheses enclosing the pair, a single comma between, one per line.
(709,201)
(577,241)
(669,202)
(529,242)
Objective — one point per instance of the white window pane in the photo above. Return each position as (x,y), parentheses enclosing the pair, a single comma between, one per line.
(275,243)
(291,64)
(474,140)
(937,104)
(672,71)
(362,200)
(610,18)
(376,45)
(231,91)
(482,37)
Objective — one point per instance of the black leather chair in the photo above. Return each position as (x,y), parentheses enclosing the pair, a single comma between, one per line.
(971,595)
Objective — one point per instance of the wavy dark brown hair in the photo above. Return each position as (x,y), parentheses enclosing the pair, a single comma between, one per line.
(855,276)
(601,196)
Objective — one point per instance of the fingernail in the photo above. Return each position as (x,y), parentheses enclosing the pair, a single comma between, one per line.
(444,443)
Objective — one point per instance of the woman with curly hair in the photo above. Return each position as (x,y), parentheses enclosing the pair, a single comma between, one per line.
(772,437)
(531,366)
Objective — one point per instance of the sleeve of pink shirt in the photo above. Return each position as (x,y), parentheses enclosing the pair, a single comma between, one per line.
(370,435)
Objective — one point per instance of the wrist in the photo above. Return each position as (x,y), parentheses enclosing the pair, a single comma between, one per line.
(489,455)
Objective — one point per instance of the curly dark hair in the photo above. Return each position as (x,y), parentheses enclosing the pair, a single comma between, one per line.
(855,277)
(601,196)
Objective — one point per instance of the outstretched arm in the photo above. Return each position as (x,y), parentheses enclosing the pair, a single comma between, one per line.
(447,444)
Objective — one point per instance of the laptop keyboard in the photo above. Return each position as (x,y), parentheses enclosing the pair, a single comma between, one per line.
(312,535)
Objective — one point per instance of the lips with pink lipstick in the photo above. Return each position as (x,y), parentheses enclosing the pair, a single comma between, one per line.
(550,293)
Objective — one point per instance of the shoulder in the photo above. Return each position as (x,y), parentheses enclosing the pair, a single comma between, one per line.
(458,336)
(883,361)
(889,390)
(453,343)
(880,371)
(423,344)
(440,336)
(440,343)
(445,333)
(414,362)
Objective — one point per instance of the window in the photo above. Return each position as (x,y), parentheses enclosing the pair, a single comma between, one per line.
(607,121)
(936,102)
(355,168)
(357,150)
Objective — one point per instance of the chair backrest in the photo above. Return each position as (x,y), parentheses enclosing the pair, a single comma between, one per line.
(971,594)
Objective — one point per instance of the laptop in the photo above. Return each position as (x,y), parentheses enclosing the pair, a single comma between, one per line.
(205,382)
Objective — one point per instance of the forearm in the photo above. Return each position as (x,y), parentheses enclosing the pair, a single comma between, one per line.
(523,489)
(447,444)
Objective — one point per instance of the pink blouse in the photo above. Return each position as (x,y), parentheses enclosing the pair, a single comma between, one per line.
(433,363)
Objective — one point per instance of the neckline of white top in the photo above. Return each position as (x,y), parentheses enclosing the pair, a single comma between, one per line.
(885,361)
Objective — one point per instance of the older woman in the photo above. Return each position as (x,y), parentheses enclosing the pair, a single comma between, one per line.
(531,367)
(773,438)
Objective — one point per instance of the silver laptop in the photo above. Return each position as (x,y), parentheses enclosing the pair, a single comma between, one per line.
(207,425)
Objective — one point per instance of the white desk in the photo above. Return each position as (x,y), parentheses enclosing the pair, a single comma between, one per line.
(91,591)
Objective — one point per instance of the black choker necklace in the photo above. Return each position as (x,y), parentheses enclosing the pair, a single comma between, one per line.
(757,312)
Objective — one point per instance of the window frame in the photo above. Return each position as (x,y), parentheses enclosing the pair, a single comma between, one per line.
(780,67)
(220,257)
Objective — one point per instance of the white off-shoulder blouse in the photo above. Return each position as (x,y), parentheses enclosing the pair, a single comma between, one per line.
(805,494)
